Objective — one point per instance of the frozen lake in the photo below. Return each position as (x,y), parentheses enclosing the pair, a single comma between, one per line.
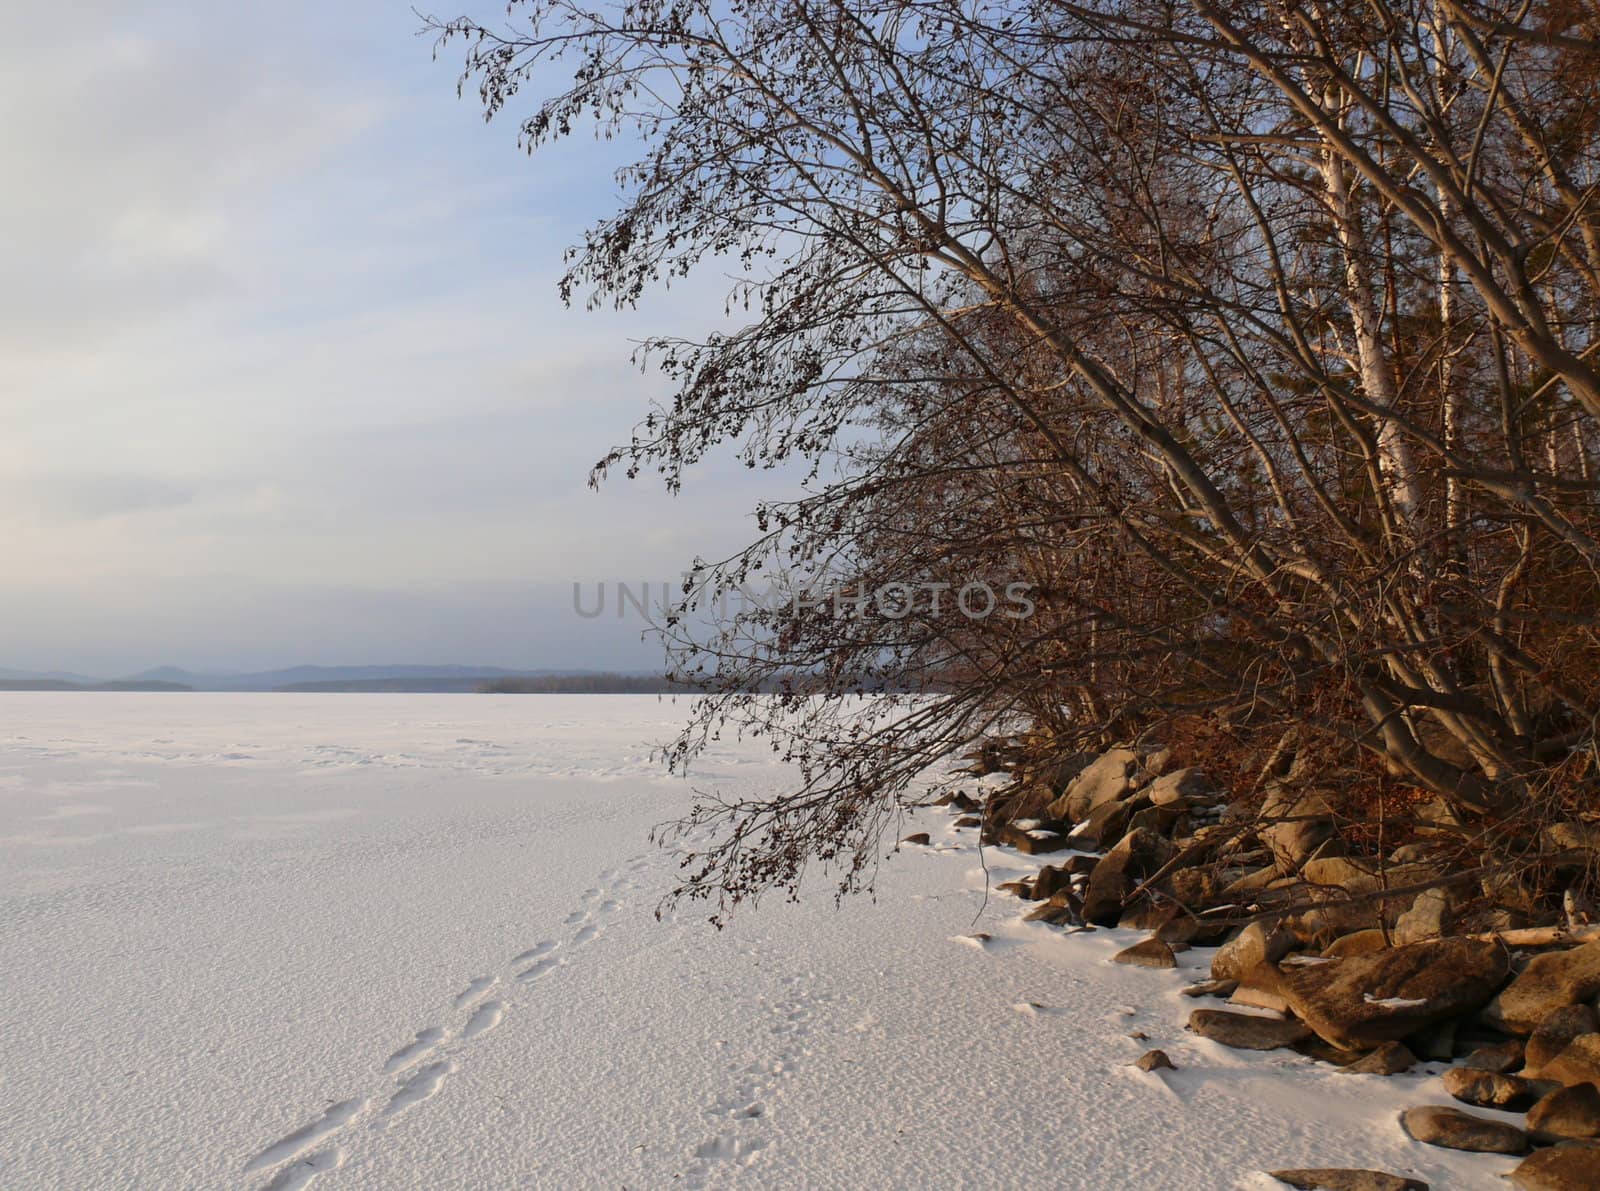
(391,941)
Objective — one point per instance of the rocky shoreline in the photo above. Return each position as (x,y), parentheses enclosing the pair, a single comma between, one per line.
(1367,961)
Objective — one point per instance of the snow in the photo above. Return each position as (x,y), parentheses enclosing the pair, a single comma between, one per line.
(391,941)
(1395,1002)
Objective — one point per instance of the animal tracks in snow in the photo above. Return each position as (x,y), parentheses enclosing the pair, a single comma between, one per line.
(485,1018)
(423,1085)
(475,989)
(741,1112)
(426,1041)
(419,1070)
(538,969)
(304,1138)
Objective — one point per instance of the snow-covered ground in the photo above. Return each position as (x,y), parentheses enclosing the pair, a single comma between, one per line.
(399,941)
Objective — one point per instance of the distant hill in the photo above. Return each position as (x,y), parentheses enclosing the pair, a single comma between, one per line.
(340,678)
(585,684)
(57,684)
(47,675)
(396,686)
(400,679)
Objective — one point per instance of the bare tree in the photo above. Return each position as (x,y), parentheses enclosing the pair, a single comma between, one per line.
(1259,338)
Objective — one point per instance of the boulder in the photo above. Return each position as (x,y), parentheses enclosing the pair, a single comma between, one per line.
(1362,1001)
(1562,1169)
(1211,988)
(1486,1089)
(1051,880)
(919,838)
(1429,917)
(1152,953)
(1135,857)
(1056,773)
(1438,1041)
(1294,824)
(1578,1063)
(1032,841)
(1343,1179)
(1391,1058)
(1499,1057)
(1556,1032)
(1105,824)
(1254,945)
(1161,819)
(1182,788)
(1246,1031)
(1061,910)
(1106,779)
(1153,1060)
(1342,872)
(1572,836)
(1457,1130)
(1567,1113)
(969,821)
(1359,942)
(1550,981)
(1259,990)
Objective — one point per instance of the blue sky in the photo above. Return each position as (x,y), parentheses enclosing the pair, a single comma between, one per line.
(286,378)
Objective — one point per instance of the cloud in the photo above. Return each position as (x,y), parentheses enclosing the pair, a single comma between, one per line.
(286,377)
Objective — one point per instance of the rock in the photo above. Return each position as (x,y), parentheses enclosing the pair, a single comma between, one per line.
(1034,841)
(1561,1169)
(1499,1057)
(1550,982)
(1572,836)
(1389,1059)
(1578,1063)
(1457,1130)
(1246,1031)
(1361,1001)
(1195,888)
(1342,1179)
(1022,889)
(1143,913)
(1181,787)
(1567,1113)
(1136,856)
(1051,880)
(1241,890)
(1254,945)
(969,821)
(1556,1032)
(1153,1060)
(1360,942)
(1104,824)
(1428,918)
(1160,819)
(920,838)
(1294,824)
(1487,1089)
(1343,872)
(1106,779)
(1211,988)
(1259,987)
(1061,910)
(1152,953)
(1438,1041)
(962,802)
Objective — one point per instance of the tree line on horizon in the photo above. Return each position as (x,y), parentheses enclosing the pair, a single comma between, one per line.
(1259,338)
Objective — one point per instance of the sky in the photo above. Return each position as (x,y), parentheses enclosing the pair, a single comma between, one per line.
(284,377)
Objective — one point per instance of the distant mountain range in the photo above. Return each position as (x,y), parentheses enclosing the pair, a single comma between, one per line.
(421,679)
